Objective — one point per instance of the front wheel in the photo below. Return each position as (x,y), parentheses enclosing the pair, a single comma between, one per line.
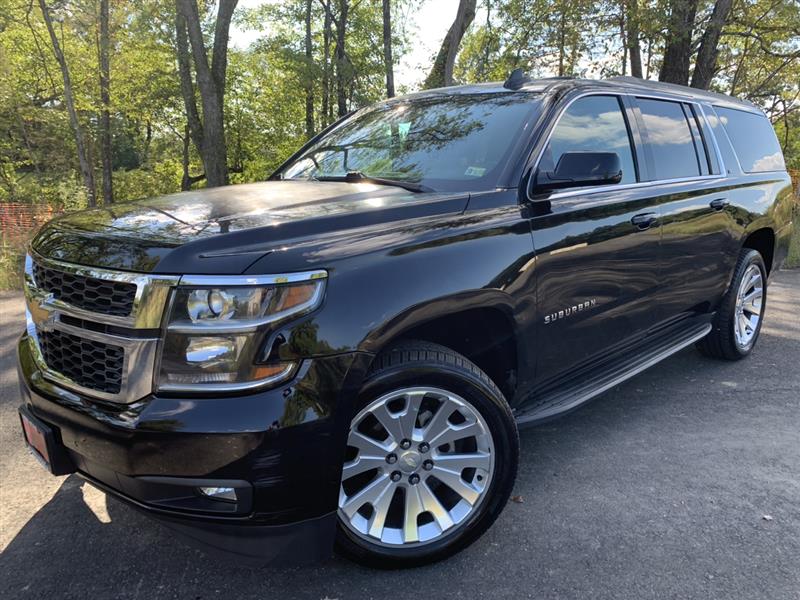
(737,323)
(431,459)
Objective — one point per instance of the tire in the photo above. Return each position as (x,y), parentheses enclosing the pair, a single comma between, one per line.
(723,342)
(430,377)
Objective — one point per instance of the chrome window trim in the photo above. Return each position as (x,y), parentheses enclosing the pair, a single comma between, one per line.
(627,186)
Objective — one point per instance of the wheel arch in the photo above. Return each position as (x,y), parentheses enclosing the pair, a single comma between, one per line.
(479,326)
(763,241)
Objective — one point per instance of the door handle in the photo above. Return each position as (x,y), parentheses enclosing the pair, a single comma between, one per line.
(645,220)
(719,203)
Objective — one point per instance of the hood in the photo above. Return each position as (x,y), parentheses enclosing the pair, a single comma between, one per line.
(225,229)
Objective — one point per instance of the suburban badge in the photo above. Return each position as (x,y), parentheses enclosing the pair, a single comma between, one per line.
(571,310)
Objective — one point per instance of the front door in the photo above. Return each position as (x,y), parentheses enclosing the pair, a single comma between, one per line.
(597,248)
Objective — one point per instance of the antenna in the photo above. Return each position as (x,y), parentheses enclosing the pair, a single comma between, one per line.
(516,80)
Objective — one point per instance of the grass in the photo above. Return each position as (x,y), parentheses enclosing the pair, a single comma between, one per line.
(793,260)
(12,259)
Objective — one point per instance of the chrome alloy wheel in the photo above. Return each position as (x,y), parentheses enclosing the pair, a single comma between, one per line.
(749,306)
(419,462)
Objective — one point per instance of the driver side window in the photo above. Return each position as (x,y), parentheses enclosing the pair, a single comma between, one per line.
(591,124)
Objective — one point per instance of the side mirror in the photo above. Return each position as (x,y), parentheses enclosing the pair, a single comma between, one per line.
(581,169)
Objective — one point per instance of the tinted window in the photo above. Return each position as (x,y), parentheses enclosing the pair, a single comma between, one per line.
(458,142)
(723,143)
(591,124)
(669,139)
(753,139)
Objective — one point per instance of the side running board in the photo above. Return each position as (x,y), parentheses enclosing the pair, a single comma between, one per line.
(556,400)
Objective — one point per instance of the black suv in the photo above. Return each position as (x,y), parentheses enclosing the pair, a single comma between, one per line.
(344,353)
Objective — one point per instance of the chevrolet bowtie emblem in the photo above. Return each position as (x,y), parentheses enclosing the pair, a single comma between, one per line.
(49,322)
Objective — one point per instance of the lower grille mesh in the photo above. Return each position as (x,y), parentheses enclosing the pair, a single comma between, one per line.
(88,363)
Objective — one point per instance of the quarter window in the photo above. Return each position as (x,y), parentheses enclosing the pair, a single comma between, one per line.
(591,124)
(753,140)
(669,139)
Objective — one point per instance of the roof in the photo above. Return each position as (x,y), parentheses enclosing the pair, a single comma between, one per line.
(631,85)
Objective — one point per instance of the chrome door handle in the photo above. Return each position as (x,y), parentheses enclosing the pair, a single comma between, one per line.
(719,203)
(645,220)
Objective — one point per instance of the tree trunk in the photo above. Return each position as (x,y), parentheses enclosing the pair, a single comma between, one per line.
(210,82)
(187,180)
(326,64)
(195,126)
(622,33)
(308,76)
(80,145)
(561,43)
(706,63)
(105,100)
(388,61)
(442,72)
(632,37)
(148,138)
(678,51)
(341,34)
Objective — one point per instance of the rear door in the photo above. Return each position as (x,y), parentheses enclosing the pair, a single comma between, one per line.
(597,249)
(698,245)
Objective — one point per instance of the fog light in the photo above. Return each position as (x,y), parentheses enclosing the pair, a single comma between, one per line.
(227,494)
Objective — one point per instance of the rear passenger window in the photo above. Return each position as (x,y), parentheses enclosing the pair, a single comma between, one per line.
(669,139)
(591,124)
(753,140)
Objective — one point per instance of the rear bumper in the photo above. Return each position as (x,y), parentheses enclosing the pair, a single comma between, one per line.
(281,449)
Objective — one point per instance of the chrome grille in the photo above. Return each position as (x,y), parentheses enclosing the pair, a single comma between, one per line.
(88,293)
(88,363)
(95,331)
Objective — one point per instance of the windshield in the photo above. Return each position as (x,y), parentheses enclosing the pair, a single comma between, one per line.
(453,143)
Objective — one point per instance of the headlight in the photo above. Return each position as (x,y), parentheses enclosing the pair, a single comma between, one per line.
(217,325)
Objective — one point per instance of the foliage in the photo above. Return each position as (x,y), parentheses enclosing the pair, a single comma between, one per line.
(759,51)
(269,78)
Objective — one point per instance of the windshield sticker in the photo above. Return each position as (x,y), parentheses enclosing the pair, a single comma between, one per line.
(475,171)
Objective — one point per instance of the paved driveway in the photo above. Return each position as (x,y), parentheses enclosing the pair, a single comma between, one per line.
(682,483)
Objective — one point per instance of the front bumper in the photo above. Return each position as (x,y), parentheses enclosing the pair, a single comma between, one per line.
(283,448)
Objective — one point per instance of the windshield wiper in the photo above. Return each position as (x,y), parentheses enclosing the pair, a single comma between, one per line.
(359,177)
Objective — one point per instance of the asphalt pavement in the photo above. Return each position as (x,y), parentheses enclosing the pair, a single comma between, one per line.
(683,482)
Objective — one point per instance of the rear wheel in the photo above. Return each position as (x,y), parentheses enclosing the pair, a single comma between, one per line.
(431,459)
(738,321)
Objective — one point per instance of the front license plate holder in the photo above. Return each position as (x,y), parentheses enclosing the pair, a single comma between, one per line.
(41,441)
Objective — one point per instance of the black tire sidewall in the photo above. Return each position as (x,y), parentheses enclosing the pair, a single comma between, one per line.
(506,446)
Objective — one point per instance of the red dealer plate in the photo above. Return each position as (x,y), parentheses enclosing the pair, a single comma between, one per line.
(35,438)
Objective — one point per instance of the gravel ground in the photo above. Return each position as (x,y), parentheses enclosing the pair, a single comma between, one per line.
(682,483)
